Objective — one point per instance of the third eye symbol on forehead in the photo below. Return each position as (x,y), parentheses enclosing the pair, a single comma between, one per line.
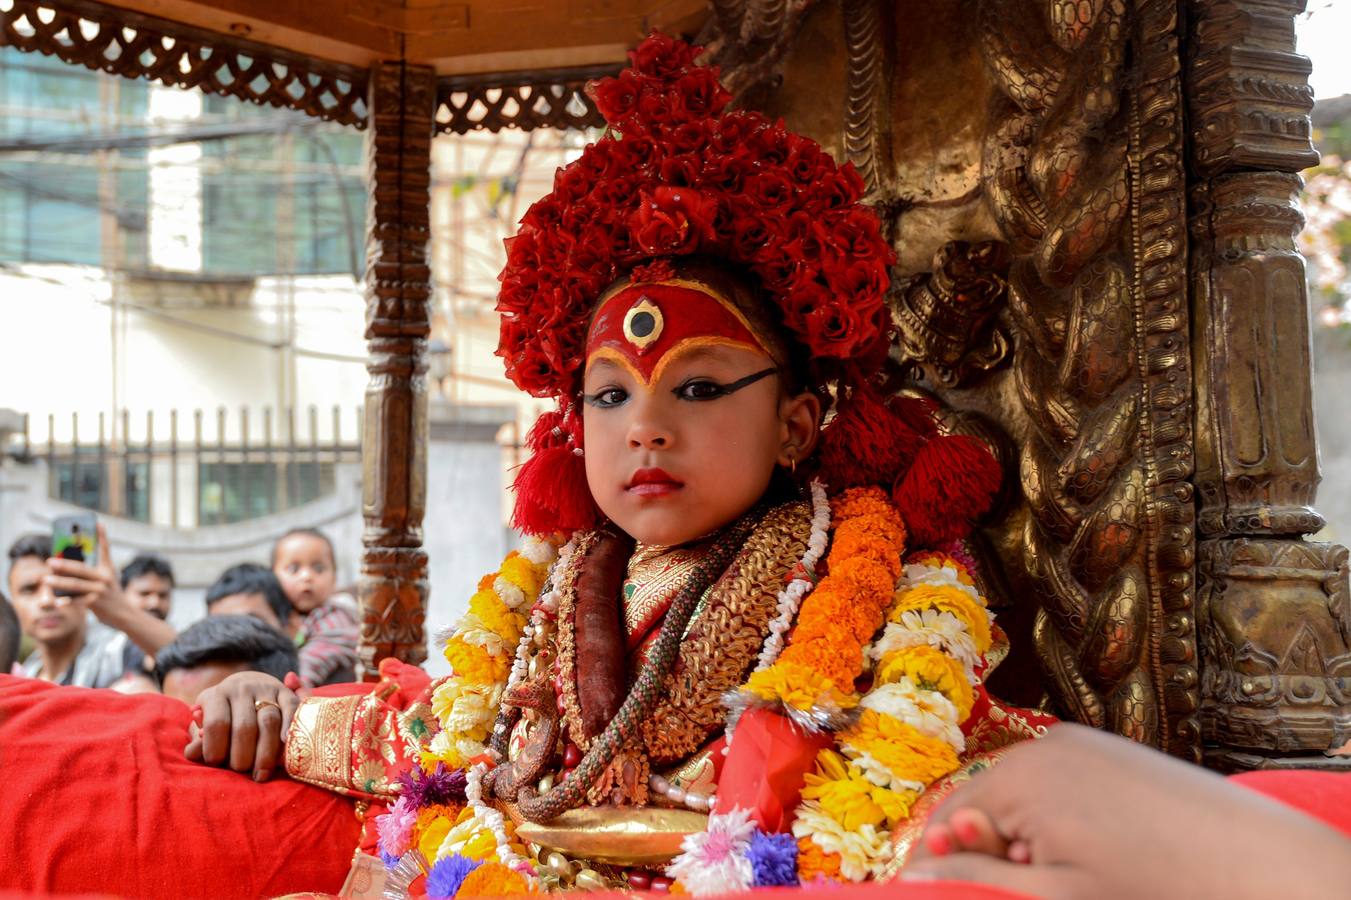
(643,324)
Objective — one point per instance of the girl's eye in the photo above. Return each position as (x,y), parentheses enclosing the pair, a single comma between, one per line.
(700,390)
(606,398)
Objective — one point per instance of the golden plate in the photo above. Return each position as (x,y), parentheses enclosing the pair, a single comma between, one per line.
(629,836)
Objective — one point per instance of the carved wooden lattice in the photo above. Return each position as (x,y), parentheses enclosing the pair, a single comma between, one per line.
(522,100)
(124,43)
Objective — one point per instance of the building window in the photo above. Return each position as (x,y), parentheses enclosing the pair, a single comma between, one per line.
(239,491)
(79,480)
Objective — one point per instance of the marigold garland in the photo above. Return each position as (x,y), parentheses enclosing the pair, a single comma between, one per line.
(923,634)
(814,863)
(494,880)
(949,599)
(907,733)
(480,650)
(813,678)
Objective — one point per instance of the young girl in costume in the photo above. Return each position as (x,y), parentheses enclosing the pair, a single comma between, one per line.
(741,647)
(741,644)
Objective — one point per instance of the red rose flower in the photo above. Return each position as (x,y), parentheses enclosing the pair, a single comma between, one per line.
(771,191)
(856,236)
(616,98)
(701,93)
(860,281)
(749,237)
(735,129)
(662,56)
(807,163)
(770,145)
(690,137)
(833,330)
(725,172)
(671,221)
(633,152)
(572,182)
(682,170)
(657,108)
(522,249)
(780,272)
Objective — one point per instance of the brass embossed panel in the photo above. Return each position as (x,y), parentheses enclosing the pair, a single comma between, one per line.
(1028,157)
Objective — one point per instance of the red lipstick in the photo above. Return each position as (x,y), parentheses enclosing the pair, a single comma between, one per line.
(653,482)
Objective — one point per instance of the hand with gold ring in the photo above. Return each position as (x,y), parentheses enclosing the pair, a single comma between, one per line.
(244,723)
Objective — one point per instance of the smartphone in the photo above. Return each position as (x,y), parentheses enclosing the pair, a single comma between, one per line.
(75,537)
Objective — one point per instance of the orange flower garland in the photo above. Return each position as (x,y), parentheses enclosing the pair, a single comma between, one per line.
(813,679)
(907,732)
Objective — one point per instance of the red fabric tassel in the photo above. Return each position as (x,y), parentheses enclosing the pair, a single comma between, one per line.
(951,483)
(551,490)
(766,767)
(866,443)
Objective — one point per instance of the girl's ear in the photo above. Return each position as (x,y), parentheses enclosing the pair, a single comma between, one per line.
(800,417)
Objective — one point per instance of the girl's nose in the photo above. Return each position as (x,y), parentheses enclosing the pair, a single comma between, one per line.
(648,428)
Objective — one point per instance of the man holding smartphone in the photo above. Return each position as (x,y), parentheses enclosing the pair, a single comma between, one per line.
(52,597)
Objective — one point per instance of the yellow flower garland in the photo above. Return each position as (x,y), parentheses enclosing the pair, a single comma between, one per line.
(883,761)
(932,670)
(480,653)
(946,598)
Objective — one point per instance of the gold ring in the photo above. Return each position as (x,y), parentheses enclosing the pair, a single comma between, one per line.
(259,704)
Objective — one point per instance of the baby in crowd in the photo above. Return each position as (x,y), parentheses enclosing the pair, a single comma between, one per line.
(323,623)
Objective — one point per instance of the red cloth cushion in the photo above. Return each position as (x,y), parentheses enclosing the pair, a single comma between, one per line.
(98,796)
(1324,795)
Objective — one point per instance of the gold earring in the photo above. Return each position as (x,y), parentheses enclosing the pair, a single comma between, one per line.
(792,465)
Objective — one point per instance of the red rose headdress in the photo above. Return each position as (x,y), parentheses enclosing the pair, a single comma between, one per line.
(677,175)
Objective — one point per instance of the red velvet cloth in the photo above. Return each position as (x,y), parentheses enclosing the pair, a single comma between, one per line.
(97,796)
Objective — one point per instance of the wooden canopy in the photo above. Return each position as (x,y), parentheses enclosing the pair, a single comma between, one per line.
(453,38)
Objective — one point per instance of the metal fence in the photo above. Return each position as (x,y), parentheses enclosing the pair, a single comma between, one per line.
(195,469)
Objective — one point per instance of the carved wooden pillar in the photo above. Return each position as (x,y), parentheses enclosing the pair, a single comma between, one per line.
(1274,619)
(393,583)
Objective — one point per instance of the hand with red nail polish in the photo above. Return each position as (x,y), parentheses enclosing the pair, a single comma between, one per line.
(1082,813)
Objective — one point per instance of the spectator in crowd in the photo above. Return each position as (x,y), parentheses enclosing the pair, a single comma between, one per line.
(10,635)
(209,651)
(148,582)
(70,649)
(249,589)
(324,624)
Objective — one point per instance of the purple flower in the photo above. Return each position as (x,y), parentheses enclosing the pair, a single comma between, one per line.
(773,859)
(389,860)
(446,876)
(441,785)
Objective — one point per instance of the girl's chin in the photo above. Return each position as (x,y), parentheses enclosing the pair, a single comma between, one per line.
(665,528)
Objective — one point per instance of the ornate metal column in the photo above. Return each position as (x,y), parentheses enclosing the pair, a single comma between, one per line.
(393,583)
(1274,615)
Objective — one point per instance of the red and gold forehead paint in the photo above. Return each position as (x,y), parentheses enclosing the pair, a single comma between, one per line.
(644,327)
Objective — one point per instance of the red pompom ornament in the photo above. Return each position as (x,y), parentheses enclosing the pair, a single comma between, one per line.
(551,490)
(949,485)
(866,443)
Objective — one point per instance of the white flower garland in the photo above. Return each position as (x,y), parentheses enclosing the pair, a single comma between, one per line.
(790,598)
(495,822)
(548,601)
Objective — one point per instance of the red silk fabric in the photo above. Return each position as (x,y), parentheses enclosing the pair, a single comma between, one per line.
(97,797)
